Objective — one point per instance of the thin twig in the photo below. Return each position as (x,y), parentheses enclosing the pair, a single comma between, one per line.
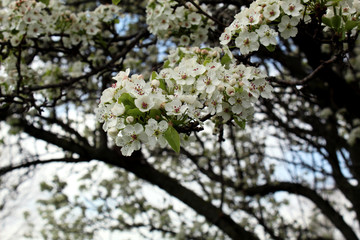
(307,78)
(206,14)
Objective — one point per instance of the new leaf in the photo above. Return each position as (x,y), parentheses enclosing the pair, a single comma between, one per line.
(173,138)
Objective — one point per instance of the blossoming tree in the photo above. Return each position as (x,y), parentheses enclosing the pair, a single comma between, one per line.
(220,104)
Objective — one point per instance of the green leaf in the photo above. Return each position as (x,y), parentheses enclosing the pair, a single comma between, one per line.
(327,21)
(271,48)
(102,43)
(46,2)
(135,112)
(225,60)
(181,55)
(240,123)
(343,35)
(45,187)
(335,2)
(116,2)
(153,75)
(162,84)
(239,89)
(207,60)
(152,5)
(173,138)
(166,64)
(155,113)
(336,22)
(126,99)
(349,25)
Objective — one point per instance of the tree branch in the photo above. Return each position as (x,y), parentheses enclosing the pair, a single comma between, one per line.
(305,79)
(312,195)
(138,166)
(70,81)
(7,169)
(206,14)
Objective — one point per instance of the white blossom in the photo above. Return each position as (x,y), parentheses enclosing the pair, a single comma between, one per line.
(175,107)
(130,138)
(144,103)
(155,131)
(247,42)
(271,11)
(287,26)
(107,95)
(292,7)
(118,109)
(167,19)
(267,35)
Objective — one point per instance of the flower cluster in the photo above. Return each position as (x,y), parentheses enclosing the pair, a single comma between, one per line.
(35,24)
(20,18)
(194,85)
(165,18)
(343,17)
(26,19)
(265,20)
(255,25)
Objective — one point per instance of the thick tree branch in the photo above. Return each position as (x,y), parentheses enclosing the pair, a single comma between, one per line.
(143,170)
(138,165)
(312,195)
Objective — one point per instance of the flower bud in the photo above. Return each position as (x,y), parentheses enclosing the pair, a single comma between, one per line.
(155,83)
(230,91)
(129,119)
(221,87)
(215,54)
(204,52)
(232,82)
